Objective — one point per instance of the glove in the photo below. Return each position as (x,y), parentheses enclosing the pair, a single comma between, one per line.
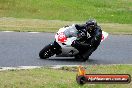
(81,35)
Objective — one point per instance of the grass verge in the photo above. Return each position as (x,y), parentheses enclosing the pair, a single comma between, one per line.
(106,11)
(31,25)
(59,78)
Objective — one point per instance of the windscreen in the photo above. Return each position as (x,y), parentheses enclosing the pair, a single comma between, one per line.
(71,32)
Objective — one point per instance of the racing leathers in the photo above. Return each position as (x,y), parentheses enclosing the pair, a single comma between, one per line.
(88,41)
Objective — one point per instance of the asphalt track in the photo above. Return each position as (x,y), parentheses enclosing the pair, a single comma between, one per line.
(22,48)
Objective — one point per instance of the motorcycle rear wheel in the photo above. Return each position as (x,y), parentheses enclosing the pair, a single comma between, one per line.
(80,57)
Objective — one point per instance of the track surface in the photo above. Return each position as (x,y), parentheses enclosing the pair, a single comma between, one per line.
(21,49)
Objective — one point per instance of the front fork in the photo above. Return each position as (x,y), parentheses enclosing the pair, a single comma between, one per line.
(56,48)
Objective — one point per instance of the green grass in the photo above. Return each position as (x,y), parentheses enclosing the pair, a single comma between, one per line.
(62,78)
(105,11)
(30,25)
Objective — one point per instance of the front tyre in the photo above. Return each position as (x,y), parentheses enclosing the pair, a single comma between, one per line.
(46,52)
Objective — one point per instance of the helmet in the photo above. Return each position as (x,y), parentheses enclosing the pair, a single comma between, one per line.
(91,25)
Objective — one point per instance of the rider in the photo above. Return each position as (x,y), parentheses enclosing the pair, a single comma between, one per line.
(90,35)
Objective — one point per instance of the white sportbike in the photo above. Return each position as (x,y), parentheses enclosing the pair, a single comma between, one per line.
(62,44)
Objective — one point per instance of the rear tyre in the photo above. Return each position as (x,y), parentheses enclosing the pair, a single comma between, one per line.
(85,58)
(46,52)
(80,57)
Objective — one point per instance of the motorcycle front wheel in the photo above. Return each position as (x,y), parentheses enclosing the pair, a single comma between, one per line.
(46,52)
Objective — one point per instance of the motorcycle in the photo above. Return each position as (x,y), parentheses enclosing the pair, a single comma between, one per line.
(62,44)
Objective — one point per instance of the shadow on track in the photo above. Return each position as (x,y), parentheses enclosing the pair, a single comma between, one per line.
(71,60)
